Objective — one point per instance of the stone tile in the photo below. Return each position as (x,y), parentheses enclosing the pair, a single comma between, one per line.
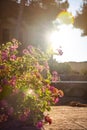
(68,118)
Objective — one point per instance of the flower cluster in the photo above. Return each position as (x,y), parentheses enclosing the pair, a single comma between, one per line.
(25,90)
(55,76)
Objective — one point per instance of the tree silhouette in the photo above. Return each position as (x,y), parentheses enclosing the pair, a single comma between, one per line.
(37,15)
(81,18)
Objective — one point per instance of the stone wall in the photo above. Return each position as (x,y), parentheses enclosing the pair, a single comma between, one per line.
(73,77)
(72,92)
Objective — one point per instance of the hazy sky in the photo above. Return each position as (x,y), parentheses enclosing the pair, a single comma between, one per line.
(73,45)
(74,5)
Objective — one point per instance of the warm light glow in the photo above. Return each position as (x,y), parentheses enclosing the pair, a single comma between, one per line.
(65,35)
(61,37)
(64,30)
(65,18)
(30,92)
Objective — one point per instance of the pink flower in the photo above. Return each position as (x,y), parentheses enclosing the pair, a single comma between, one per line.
(4,81)
(14,40)
(25,51)
(56,100)
(39,67)
(54,78)
(14,47)
(54,73)
(13,57)
(13,81)
(26,112)
(23,117)
(48,119)
(54,90)
(4,103)
(60,52)
(30,48)
(10,111)
(60,93)
(51,88)
(39,124)
(4,55)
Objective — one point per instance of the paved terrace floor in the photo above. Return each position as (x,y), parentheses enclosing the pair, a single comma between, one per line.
(68,118)
(64,118)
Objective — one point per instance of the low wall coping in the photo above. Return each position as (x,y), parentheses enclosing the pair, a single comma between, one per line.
(83,82)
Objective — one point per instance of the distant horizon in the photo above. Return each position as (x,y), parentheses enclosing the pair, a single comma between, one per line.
(74,61)
(60,61)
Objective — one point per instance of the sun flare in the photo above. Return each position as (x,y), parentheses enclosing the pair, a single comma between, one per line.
(65,36)
(65,17)
(61,37)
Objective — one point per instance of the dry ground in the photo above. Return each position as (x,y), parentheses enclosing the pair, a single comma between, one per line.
(68,118)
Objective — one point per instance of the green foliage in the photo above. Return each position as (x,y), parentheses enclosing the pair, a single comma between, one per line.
(81,18)
(25,90)
(61,68)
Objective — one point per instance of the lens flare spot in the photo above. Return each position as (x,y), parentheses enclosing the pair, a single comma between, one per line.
(65,18)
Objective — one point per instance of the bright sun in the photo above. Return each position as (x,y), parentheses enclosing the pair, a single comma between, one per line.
(62,36)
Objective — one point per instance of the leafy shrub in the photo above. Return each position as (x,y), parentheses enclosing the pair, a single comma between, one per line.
(25,90)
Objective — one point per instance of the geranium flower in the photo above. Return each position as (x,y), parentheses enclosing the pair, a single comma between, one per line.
(4,55)
(48,119)
(26,112)
(54,90)
(4,81)
(39,124)
(23,117)
(10,111)
(51,88)
(13,47)
(25,51)
(3,103)
(12,82)
(30,48)
(55,76)
(14,40)
(39,67)
(13,57)
(60,93)
(60,52)
(26,79)
(54,73)
(56,100)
